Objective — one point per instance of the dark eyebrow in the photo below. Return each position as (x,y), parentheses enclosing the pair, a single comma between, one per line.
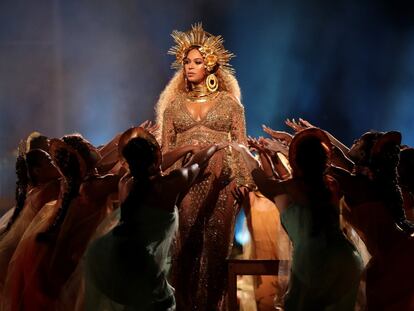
(198,58)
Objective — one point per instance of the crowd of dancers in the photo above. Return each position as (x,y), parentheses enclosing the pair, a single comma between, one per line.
(146,221)
(67,246)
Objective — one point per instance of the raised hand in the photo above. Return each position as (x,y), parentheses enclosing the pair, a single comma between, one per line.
(280,135)
(255,144)
(145,124)
(294,125)
(305,123)
(275,145)
(150,127)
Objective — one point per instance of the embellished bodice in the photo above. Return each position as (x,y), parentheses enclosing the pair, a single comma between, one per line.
(218,124)
(223,122)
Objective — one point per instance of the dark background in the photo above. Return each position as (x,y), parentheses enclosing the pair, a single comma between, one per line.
(97,66)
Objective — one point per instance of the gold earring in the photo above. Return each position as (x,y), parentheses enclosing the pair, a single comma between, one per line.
(186,83)
(212,83)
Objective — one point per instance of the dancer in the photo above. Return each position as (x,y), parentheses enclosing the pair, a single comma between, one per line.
(50,252)
(309,206)
(127,268)
(43,187)
(375,210)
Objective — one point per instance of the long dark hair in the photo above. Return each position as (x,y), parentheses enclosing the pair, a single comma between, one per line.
(311,159)
(140,155)
(384,168)
(69,166)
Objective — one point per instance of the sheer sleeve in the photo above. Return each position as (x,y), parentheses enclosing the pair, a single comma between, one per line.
(168,137)
(238,135)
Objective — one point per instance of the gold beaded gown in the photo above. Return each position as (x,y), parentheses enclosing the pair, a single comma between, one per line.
(207,212)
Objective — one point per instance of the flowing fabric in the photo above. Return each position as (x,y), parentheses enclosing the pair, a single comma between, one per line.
(46,275)
(36,198)
(326,267)
(4,220)
(127,271)
(269,241)
(24,286)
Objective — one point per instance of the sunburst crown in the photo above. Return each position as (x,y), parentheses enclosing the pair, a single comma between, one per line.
(210,46)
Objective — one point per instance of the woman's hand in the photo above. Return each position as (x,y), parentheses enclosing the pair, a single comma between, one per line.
(298,126)
(279,135)
(240,194)
(275,145)
(249,159)
(256,144)
(151,128)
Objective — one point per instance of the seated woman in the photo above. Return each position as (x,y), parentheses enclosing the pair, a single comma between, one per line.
(309,207)
(126,269)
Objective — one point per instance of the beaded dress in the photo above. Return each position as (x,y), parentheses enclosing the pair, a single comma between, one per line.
(207,212)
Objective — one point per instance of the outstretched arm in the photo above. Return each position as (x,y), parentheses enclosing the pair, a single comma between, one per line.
(268,185)
(181,179)
(172,156)
(304,124)
(340,159)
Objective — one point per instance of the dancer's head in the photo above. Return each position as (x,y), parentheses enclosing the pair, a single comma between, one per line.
(141,152)
(37,141)
(74,168)
(40,168)
(360,151)
(85,149)
(67,160)
(309,153)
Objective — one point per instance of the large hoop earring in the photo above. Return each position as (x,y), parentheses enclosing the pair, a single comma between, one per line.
(212,83)
(187,89)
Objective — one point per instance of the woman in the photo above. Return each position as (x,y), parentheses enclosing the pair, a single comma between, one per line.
(375,210)
(127,268)
(201,106)
(326,268)
(44,188)
(47,257)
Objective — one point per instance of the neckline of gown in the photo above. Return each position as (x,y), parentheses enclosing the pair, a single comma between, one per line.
(185,108)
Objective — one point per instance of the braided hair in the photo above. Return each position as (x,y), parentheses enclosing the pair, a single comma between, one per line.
(21,189)
(82,146)
(384,167)
(69,166)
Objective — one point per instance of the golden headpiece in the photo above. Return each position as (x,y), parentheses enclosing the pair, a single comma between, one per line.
(211,47)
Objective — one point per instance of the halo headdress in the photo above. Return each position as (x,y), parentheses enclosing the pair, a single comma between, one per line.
(211,48)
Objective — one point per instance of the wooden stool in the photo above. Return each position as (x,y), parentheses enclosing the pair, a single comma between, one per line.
(247,267)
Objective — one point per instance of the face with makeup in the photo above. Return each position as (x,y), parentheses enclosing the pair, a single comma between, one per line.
(194,67)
